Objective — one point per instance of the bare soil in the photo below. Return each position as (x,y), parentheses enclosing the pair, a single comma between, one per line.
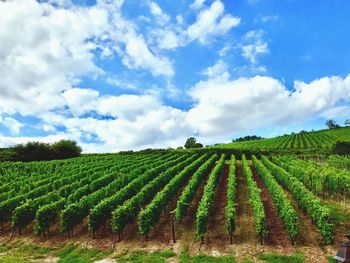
(244,215)
(309,238)
(277,234)
(216,230)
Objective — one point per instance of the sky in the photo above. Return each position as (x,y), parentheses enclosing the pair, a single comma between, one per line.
(134,74)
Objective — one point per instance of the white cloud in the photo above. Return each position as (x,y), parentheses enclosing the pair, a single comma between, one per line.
(197,4)
(221,108)
(336,112)
(43,51)
(253,45)
(158,13)
(227,106)
(210,22)
(12,124)
(266,19)
(217,71)
(123,84)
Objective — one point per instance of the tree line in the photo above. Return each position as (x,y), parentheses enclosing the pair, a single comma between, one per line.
(39,151)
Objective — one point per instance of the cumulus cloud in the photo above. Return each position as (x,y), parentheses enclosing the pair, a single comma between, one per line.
(197,4)
(222,106)
(226,106)
(253,45)
(12,124)
(158,13)
(211,21)
(43,51)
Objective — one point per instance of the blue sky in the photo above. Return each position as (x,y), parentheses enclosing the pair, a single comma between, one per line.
(118,75)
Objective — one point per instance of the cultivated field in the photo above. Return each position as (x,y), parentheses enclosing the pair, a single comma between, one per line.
(205,201)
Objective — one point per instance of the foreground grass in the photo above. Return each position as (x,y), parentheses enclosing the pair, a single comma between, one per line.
(70,254)
(273,258)
(21,252)
(141,257)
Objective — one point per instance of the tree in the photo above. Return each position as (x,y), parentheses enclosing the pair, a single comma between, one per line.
(66,149)
(198,145)
(192,143)
(347,122)
(332,124)
(38,151)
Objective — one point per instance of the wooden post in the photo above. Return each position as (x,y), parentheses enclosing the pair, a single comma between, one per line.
(114,239)
(172,227)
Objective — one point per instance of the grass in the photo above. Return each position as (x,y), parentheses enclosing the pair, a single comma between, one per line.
(143,257)
(274,258)
(72,254)
(331,260)
(21,252)
(202,258)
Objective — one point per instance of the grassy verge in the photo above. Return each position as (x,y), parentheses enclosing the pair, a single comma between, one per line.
(274,258)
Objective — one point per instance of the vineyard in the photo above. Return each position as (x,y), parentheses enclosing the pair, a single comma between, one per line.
(315,141)
(166,196)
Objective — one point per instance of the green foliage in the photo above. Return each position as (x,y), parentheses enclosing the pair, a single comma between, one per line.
(191,189)
(100,213)
(207,198)
(314,142)
(255,199)
(247,138)
(127,213)
(274,258)
(331,124)
(38,151)
(230,211)
(192,143)
(143,257)
(306,200)
(202,258)
(72,254)
(341,148)
(149,216)
(321,179)
(338,161)
(284,208)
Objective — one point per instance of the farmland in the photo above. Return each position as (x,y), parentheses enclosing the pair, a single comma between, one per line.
(210,200)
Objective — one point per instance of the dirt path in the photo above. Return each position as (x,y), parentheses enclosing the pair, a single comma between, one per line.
(309,238)
(244,214)
(216,230)
(277,235)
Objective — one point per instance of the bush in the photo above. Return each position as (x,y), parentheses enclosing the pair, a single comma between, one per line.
(342,148)
(38,151)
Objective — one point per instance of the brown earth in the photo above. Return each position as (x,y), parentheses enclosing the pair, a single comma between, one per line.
(244,215)
(216,230)
(277,234)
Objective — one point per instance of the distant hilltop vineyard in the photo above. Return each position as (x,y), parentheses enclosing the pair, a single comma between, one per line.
(318,141)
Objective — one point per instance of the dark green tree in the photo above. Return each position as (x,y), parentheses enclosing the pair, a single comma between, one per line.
(190,143)
(347,123)
(331,124)
(66,149)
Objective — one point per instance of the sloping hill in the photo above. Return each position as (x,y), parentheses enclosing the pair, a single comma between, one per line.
(304,141)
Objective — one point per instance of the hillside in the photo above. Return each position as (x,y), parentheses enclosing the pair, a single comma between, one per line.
(315,141)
